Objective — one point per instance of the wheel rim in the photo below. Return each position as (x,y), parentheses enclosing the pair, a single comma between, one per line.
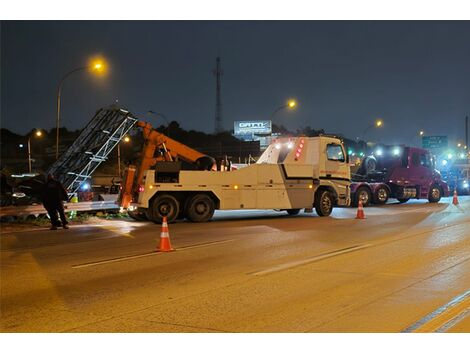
(435,192)
(201,208)
(382,194)
(165,208)
(364,197)
(326,203)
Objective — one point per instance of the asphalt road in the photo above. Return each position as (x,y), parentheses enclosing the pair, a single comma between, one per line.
(405,268)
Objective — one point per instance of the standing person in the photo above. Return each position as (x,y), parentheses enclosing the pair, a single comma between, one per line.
(52,196)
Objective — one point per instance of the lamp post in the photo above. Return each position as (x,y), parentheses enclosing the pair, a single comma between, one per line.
(290,104)
(420,133)
(126,139)
(151,112)
(377,124)
(97,66)
(38,133)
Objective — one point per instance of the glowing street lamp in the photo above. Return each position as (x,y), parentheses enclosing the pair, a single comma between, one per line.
(37,133)
(291,104)
(421,133)
(96,66)
(377,124)
(126,139)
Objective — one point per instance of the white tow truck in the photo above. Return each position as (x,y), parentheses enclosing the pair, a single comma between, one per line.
(292,174)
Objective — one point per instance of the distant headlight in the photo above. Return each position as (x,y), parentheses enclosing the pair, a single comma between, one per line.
(465,184)
(19,195)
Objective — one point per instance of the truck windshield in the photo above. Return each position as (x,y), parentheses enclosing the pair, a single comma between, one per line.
(334,152)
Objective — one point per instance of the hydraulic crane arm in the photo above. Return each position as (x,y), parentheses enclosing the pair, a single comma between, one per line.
(155,141)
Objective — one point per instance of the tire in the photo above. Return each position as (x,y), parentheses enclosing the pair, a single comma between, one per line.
(435,194)
(293,211)
(381,195)
(200,208)
(363,194)
(403,200)
(323,203)
(164,205)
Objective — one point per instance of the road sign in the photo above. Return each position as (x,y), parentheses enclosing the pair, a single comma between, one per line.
(434,142)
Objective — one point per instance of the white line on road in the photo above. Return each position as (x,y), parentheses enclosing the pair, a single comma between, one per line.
(296,263)
(421,325)
(120,259)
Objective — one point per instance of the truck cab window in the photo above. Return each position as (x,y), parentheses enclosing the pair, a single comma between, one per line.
(425,160)
(415,160)
(335,152)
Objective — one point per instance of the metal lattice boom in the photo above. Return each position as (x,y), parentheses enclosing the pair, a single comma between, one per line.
(104,131)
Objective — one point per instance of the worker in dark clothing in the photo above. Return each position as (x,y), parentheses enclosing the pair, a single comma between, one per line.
(52,196)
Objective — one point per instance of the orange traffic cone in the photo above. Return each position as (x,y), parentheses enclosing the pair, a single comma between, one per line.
(360,211)
(165,245)
(455,200)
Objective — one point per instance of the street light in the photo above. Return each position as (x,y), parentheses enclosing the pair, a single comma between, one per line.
(377,124)
(290,104)
(420,133)
(96,66)
(151,112)
(37,133)
(126,139)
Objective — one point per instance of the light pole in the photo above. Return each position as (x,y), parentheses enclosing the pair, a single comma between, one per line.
(151,112)
(38,133)
(419,134)
(96,66)
(126,139)
(378,124)
(290,104)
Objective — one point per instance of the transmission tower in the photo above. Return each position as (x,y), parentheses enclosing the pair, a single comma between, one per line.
(218,101)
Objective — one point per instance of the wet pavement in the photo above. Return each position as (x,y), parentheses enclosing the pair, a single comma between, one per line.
(405,268)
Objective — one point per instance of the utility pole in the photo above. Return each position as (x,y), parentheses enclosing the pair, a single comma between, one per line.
(467,147)
(218,102)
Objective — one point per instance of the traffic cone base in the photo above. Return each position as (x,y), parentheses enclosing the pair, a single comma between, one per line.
(455,199)
(360,211)
(164,245)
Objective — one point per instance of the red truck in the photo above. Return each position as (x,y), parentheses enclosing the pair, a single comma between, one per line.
(397,172)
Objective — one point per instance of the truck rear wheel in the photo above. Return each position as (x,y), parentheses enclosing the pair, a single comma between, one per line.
(164,205)
(200,208)
(323,203)
(362,194)
(381,195)
(434,194)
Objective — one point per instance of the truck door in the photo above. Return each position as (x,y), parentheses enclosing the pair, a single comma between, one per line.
(420,172)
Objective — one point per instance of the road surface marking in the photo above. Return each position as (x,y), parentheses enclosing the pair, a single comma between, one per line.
(444,317)
(296,263)
(130,257)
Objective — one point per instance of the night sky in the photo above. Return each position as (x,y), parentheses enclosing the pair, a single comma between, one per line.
(413,75)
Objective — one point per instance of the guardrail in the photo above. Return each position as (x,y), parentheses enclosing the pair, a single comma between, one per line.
(38,209)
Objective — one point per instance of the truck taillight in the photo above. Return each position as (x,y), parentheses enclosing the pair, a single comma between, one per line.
(141,188)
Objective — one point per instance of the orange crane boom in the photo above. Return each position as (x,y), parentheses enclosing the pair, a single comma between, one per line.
(153,141)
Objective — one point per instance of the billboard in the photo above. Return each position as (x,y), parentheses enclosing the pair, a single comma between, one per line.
(434,142)
(252,127)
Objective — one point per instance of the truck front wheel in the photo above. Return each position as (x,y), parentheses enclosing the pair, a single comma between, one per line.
(200,208)
(434,194)
(164,205)
(323,203)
